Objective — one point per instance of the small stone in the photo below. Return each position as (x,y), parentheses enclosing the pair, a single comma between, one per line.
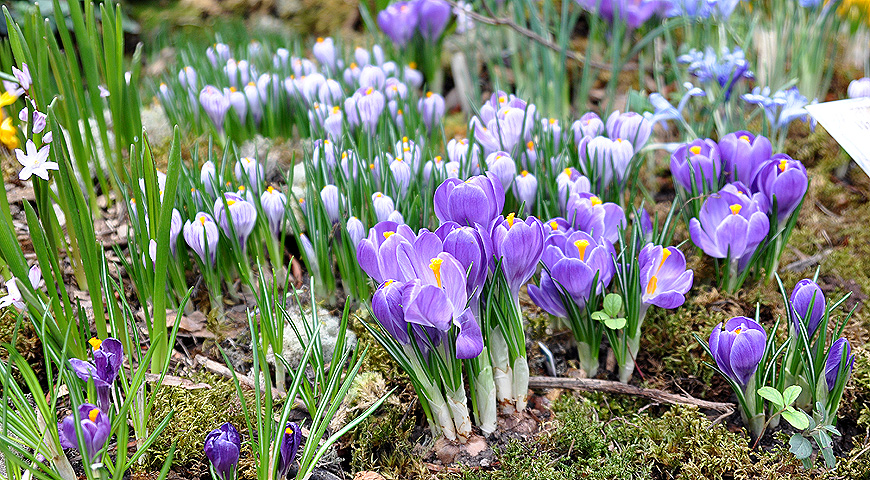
(446,451)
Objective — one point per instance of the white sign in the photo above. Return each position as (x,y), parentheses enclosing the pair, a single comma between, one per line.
(848,121)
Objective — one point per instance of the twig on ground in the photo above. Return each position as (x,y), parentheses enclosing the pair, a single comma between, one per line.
(593,385)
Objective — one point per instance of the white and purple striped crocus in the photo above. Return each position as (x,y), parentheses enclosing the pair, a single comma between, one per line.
(729,226)
(431,107)
(202,236)
(242,213)
(216,105)
(525,188)
(274,204)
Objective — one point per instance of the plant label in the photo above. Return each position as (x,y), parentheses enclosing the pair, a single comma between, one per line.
(848,121)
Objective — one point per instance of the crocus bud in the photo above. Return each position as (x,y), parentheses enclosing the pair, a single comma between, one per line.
(401,173)
(372,76)
(697,163)
(187,78)
(291,439)
(399,21)
(202,236)
(519,245)
(396,217)
(480,200)
(431,108)
(629,126)
(324,52)
(604,160)
(472,247)
(738,347)
(242,213)
(95,427)
(552,129)
(222,447)
(383,206)
(333,124)
(364,108)
(274,205)
(175,225)
(525,189)
(361,56)
(859,88)
(664,279)
(356,230)
(589,214)
(331,203)
(742,154)
(433,18)
(835,362)
(255,101)
(806,293)
(249,171)
(395,89)
(589,125)
(330,92)
(503,167)
(215,104)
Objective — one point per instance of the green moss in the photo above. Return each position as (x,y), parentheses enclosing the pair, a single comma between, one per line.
(197,412)
(383,444)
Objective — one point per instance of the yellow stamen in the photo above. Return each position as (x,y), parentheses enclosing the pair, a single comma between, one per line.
(435,265)
(404,139)
(554,225)
(595,201)
(233,89)
(319,39)
(335,110)
(413,65)
(651,286)
(738,330)
(93,414)
(371,166)
(552,121)
(270,189)
(400,111)
(388,283)
(530,145)
(735,209)
(438,159)
(510,220)
(665,254)
(388,234)
(369,90)
(782,165)
(524,173)
(353,65)
(343,155)
(95,343)
(252,84)
(581,247)
(379,194)
(428,94)
(696,150)
(744,138)
(231,203)
(241,188)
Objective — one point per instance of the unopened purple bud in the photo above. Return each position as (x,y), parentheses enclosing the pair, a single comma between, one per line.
(330,198)
(401,173)
(835,362)
(604,160)
(372,76)
(249,171)
(175,225)
(222,447)
(333,124)
(239,103)
(330,92)
(525,189)
(274,205)
(480,200)
(215,104)
(383,206)
(431,108)
(738,347)
(208,177)
(742,154)
(589,125)
(503,166)
(396,217)
(187,78)
(399,21)
(291,439)
(356,230)
(324,52)
(805,293)
(697,164)
(433,18)
(255,101)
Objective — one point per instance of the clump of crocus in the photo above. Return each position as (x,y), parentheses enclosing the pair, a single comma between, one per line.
(738,348)
(95,427)
(108,357)
(742,153)
(222,447)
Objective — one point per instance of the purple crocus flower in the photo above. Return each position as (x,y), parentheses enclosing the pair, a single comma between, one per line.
(365,108)
(274,205)
(589,125)
(399,21)
(331,199)
(589,214)
(222,447)
(663,276)
(729,226)
(604,160)
(519,245)
(175,225)
(372,76)
(571,181)
(784,180)
(216,105)
(738,347)
(243,214)
(377,253)
(525,189)
(291,439)
(630,126)
(834,362)
(95,426)
(548,296)
(108,356)
(431,107)
(503,167)
(742,153)
(573,260)
(387,308)
(480,199)
(433,18)
(249,169)
(697,164)
(401,173)
(356,230)
(633,12)
(383,206)
(202,236)
(325,53)
(806,293)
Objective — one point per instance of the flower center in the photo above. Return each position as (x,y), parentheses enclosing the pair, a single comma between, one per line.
(428,94)
(270,189)
(388,235)
(782,165)
(554,225)
(93,414)
(595,201)
(95,343)
(696,150)
(289,431)
(581,247)
(202,220)
(651,286)
(524,173)
(735,209)
(319,39)
(568,171)
(369,90)
(744,138)
(230,203)
(739,329)
(665,254)
(510,220)
(530,145)
(435,265)
(388,283)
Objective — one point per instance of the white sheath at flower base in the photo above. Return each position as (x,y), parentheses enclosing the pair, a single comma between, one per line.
(502,374)
(590,366)
(520,383)
(484,386)
(440,412)
(459,409)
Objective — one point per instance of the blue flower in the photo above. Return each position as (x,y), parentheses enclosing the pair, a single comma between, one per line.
(665,111)
(726,69)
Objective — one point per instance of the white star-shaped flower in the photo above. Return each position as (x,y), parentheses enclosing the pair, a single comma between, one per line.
(34,161)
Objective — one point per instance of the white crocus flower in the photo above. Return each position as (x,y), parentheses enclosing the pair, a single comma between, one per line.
(34,161)
(13,294)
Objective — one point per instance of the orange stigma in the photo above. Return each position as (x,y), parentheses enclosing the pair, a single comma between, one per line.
(595,201)
(510,220)
(735,209)
(388,234)
(435,265)
(524,173)
(554,225)
(581,247)
(744,138)
(782,165)
(696,150)
(95,343)
(93,414)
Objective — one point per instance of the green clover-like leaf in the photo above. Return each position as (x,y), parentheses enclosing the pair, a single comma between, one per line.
(800,446)
(600,316)
(798,419)
(772,395)
(612,304)
(791,394)
(615,323)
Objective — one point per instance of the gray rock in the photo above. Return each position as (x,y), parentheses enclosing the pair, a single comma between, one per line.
(329,330)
